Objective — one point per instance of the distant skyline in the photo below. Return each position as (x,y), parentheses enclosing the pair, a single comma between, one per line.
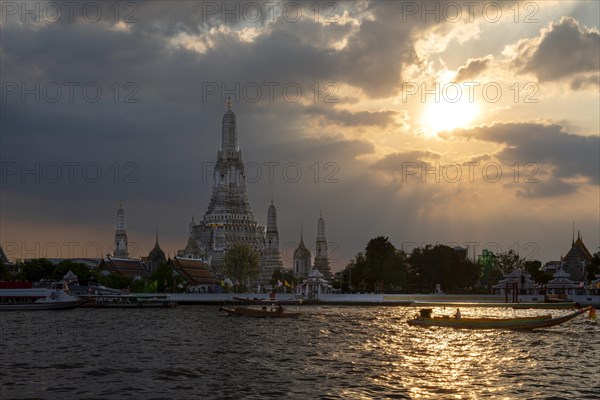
(427,122)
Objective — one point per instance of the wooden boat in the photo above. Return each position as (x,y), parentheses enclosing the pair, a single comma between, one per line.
(273,312)
(543,321)
(464,304)
(256,300)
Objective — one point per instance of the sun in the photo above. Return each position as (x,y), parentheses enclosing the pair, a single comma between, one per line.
(445,115)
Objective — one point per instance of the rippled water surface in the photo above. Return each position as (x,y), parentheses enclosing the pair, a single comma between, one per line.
(330,352)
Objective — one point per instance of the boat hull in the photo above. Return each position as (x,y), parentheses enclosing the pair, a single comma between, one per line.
(250,312)
(65,305)
(489,323)
(257,301)
(128,301)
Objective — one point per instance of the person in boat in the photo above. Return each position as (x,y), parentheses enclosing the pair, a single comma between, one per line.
(458,315)
(425,312)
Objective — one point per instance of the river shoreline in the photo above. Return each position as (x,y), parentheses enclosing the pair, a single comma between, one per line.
(464,300)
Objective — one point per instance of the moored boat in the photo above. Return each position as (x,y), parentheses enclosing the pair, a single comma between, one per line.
(23,296)
(259,301)
(130,301)
(263,312)
(424,318)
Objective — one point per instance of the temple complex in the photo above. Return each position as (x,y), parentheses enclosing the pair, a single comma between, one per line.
(229,219)
(574,262)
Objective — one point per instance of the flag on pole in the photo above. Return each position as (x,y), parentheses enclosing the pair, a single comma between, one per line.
(285,282)
(279,283)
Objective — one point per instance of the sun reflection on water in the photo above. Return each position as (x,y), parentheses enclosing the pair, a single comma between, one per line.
(330,352)
(451,363)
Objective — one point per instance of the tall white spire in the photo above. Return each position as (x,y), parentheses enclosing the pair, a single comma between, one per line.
(272,218)
(321,228)
(321,248)
(229,136)
(121,243)
(271,256)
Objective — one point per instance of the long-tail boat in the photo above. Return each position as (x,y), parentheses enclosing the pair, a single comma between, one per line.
(424,318)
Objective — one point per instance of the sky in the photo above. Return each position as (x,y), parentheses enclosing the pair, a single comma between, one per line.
(460,123)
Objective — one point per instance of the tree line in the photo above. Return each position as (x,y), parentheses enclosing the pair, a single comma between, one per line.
(382,268)
(163,279)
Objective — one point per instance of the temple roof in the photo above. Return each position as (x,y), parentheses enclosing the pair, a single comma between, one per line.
(70,276)
(156,254)
(195,272)
(578,247)
(521,278)
(127,268)
(301,251)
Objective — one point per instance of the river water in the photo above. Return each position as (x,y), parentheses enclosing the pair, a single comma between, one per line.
(330,352)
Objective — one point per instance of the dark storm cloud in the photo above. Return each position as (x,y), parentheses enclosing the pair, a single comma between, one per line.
(474,67)
(559,155)
(373,58)
(172,133)
(563,50)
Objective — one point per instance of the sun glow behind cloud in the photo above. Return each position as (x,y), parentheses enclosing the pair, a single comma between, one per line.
(447,106)
(444,115)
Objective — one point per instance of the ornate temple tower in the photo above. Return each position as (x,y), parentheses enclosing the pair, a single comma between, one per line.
(271,256)
(229,219)
(302,258)
(121,235)
(156,258)
(321,259)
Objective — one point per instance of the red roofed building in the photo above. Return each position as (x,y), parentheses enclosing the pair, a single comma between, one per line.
(127,268)
(196,273)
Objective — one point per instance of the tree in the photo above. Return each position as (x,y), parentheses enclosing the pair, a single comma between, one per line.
(442,265)
(593,268)
(508,262)
(165,279)
(84,274)
(240,262)
(35,270)
(533,268)
(4,272)
(114,281)
(381,268)
(490,273)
